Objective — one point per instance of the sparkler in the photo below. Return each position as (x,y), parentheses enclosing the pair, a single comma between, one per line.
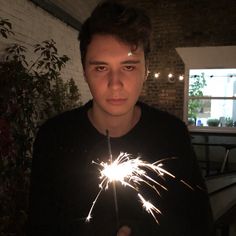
(114,184)
(131,172)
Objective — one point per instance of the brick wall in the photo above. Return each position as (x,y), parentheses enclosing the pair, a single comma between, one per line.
(32,25)
(182,23)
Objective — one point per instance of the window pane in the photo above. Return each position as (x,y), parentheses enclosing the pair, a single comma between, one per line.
(212,112)
(212,82)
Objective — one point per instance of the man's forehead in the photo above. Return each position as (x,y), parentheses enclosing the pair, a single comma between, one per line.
(132,46)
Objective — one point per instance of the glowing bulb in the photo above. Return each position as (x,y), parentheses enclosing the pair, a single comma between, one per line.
(170,75)
(156,75)
(181,78)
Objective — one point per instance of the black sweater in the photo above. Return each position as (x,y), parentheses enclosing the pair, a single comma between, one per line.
(65,182)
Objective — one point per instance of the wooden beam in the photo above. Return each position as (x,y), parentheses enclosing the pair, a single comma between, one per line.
(58,12)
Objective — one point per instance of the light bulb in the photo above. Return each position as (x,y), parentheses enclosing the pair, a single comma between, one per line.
(156,75)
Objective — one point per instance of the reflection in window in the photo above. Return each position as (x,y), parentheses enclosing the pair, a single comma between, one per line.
(212,97)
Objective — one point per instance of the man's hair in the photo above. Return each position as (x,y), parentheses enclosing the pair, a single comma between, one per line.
(129,24)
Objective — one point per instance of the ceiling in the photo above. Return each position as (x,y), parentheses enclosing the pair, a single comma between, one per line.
(72,12)
(78,9)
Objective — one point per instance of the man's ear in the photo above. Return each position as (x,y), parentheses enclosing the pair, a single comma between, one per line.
(146,70)
(85,77)
(146,75)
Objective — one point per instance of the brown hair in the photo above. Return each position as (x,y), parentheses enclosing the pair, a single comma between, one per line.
(127,23)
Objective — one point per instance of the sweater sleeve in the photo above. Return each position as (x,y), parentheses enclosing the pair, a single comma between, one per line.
(43,211)
(195,202)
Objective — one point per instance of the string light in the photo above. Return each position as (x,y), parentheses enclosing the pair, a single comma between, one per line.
(156,75)
(216,76)
(170,77)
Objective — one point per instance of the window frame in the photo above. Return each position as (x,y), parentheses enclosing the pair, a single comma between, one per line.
(187,98)
(219,57)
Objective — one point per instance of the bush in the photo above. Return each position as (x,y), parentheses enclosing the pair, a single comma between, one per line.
(229,122)
(29,94)
(213,122)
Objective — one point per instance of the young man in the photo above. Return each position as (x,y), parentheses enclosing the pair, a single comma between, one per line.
(115,43)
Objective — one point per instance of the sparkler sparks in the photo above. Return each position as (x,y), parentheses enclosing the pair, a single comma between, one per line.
(131,172)
(149,207)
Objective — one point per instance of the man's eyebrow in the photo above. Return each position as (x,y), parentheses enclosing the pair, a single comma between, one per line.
(130,62)
(94,62)
(97,63)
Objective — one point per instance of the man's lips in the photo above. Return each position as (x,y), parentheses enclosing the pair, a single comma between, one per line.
(116,101)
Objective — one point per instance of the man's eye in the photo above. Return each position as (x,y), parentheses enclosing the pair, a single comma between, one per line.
(100,68)
(129,68)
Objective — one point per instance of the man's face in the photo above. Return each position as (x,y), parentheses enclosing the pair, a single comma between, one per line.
(115,75)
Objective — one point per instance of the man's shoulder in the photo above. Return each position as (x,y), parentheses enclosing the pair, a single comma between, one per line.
(154,114)
(71,118)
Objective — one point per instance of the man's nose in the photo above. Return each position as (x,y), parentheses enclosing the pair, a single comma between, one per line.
(115,80)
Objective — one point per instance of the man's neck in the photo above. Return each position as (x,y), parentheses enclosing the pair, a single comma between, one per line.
(117,126)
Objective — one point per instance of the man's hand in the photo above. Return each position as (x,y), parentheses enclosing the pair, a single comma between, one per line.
(124,231)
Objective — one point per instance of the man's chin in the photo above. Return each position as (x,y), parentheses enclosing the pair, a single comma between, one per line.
(117,111)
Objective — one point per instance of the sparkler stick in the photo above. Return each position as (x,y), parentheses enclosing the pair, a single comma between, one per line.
(113,183)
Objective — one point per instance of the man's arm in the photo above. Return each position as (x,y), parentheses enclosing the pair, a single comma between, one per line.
(42,212)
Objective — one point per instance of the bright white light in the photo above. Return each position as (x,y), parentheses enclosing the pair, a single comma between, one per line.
(131,172)
(156,75)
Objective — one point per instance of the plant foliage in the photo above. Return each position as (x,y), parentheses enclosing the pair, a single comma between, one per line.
(30,92)
(195,90)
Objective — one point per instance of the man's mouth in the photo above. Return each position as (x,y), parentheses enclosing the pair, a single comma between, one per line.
(116,101)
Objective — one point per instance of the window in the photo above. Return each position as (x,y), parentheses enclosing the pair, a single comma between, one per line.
(211,99)
(217,100)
